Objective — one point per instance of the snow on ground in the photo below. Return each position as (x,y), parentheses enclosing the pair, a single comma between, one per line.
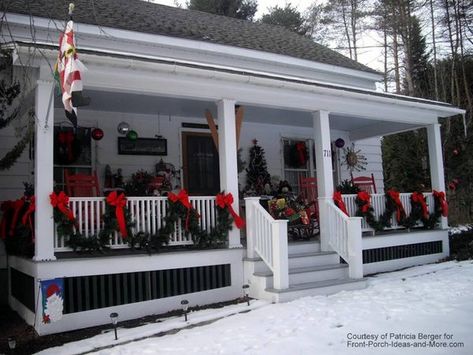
(428,308)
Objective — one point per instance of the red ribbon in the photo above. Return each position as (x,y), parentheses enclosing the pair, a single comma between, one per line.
(301,152)
(5,208)
(183,198)
(119,202)
(418,197)
(223,201)
(27,217)
(364,197)
(61,202)
(337,198)
(440,196)
(17,206)
(400,212)
(67,138)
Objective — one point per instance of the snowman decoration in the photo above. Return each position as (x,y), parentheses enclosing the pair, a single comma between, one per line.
(54,304)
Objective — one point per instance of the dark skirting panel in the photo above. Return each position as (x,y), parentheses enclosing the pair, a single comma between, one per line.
(22,288)
(84,293)
(401,251)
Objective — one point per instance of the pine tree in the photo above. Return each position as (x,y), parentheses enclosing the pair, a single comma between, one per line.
(257,175)
(287,17)
(241,9)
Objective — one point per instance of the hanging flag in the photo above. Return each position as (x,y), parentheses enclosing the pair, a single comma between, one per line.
(52,299)
(68,70)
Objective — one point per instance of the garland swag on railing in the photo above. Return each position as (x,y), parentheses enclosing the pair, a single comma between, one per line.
(419,210)
(180,209)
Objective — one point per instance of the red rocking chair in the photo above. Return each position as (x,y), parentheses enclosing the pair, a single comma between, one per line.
(365,183)
(82,185)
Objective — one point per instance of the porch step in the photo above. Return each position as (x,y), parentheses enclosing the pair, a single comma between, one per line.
(307,274)
(308,259)
(326,287)
(303,247)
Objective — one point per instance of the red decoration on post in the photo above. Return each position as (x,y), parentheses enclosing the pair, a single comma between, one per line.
(301,153)
(66,139)
(365,198)
(440,197)
(400,212)
(119,202)
(5,208)
(223,201)
(97,134)
(183,198)
(338,200)
(61,202)
(418,197)
(17,206)
(27,217)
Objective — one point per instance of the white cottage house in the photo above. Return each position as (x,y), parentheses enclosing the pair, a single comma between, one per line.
(159,69)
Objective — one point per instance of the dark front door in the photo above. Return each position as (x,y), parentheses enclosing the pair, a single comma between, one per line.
(201,169)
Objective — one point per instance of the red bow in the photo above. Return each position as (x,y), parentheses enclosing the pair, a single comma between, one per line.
(400,212)
(440,196)
(17,206)
(183,198)
(29,213)
(223,201)
(337,198)
(364,197)
(418,197)
(301,152)
(67,138)
(5,207)
(61,201)
(119,202)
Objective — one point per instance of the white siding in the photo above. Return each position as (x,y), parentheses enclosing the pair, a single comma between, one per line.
(106,150)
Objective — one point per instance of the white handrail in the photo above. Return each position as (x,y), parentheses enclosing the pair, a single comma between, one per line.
(344,236)
(267,237)
(147,213)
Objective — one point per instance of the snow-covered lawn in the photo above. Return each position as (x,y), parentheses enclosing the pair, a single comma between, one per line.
(421,310)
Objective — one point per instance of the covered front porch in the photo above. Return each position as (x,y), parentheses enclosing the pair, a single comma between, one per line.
(174,102)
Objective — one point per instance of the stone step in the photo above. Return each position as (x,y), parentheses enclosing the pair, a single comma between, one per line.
(326,287)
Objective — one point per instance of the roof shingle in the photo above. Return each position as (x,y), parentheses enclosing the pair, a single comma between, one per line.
(146,17)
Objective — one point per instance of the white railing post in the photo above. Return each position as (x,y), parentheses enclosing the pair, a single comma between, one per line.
(324,223)
(250,225)
(280,254)
(355,248)
(437,174)
(44,168)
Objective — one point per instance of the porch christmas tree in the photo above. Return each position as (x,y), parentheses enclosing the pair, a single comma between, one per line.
(257,175)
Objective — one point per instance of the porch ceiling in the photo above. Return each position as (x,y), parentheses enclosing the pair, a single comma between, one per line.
(358,127)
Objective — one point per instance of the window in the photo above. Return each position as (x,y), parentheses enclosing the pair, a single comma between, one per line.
(72,151)
(298,160)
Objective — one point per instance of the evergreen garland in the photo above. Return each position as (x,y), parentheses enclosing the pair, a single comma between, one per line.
(366,210)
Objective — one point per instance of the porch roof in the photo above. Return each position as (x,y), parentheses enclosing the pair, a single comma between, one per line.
(148,17)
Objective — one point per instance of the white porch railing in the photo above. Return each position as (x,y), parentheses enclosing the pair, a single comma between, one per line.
(147,212)
(378,202)
(267,237)
(344,236)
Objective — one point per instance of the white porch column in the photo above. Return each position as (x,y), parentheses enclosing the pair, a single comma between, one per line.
(437,175)
(323,158)
(227,152)
(44,164)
